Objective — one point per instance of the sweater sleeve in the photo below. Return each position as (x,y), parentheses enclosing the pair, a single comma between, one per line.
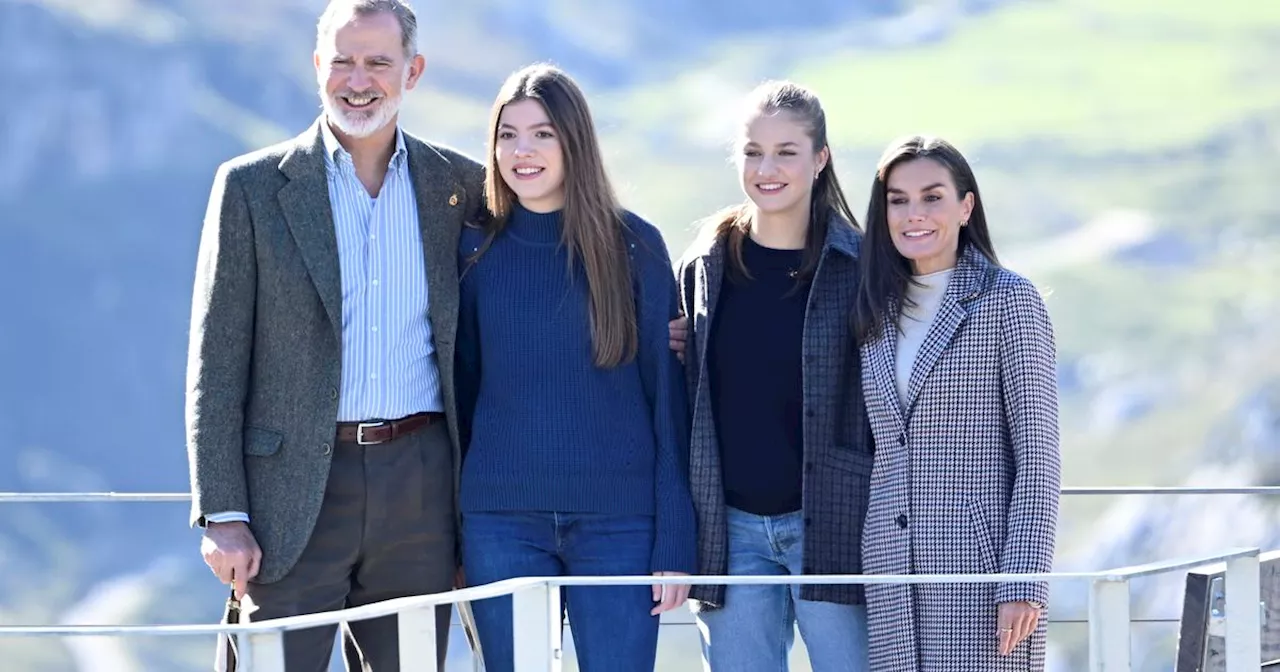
(657,303)
(467,347)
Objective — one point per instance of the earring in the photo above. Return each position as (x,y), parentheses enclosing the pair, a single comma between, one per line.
(964,222)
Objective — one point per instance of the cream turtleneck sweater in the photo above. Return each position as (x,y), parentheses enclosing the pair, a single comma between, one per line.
(914,323)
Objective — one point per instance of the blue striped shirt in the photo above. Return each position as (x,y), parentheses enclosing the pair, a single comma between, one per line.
(389,366)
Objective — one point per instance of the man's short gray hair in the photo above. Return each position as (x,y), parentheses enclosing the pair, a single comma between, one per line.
(338,12)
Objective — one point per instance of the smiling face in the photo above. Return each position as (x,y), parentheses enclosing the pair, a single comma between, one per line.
(363,72)
(778,163)
(529,156)
(925,214)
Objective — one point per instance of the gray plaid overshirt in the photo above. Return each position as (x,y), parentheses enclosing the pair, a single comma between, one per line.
(837,438)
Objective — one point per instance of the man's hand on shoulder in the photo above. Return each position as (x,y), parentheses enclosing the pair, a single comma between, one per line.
(229,547)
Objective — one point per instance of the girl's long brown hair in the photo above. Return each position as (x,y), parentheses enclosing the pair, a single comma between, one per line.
(593,219)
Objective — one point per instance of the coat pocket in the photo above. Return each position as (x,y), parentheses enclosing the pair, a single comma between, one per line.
(988,559)
(260,442)
(852,461)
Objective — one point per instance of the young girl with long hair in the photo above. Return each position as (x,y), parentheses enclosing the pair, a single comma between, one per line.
(574,415)
(780,453)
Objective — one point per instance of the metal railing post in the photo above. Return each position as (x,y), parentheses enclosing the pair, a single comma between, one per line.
(1244,618)
(1109,625)
(536,621)
(266,652)
(417,633)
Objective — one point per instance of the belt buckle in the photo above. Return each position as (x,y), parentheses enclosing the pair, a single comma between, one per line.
(360,432)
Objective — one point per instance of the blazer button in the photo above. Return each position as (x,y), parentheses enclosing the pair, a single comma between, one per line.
(902,520)
(808,521)
(808,413)
(808,467)
(326,449)
(333,393)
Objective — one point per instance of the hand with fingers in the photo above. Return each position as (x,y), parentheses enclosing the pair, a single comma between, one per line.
(230,548)
(668,596)
(1015,622)
(679,336)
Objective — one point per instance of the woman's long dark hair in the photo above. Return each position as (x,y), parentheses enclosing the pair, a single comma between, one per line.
(592,216)
(827,199)
(885,272)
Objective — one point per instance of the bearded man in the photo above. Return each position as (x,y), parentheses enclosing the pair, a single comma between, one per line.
(320,410)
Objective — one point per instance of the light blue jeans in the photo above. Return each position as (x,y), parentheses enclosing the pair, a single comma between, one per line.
(755,629)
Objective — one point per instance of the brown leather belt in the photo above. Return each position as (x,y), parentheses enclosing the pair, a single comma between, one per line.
(382,431)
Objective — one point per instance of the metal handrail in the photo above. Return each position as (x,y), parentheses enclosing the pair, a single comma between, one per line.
(83,497)
(537,610)
(58,497)
(1173,490)
(1161,567)
(510,586)
(365,612)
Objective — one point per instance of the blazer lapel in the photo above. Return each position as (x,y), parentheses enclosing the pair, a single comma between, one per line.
(968,281)
(948,320)
(305,202)
(441,204)
(881,355)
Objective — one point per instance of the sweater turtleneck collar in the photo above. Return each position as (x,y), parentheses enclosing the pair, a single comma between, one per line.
(535,227)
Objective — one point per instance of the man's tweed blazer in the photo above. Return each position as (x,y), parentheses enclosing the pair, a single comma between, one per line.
(966,475)
(265,356)
(837,442)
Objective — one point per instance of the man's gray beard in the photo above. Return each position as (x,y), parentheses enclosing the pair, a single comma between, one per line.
(364,124)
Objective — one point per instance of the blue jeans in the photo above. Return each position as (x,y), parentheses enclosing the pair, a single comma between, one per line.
(612,628)
(755,629)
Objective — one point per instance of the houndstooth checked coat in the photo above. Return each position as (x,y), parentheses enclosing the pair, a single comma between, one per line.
(837,442)
(966,478)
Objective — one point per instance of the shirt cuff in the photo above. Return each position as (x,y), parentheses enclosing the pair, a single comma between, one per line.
(227,517)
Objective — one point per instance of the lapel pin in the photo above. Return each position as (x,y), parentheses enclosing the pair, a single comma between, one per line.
(453,200)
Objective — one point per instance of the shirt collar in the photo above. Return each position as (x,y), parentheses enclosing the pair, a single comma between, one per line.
(334,152)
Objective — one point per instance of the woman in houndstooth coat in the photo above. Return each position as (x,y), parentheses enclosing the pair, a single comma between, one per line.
(958,369)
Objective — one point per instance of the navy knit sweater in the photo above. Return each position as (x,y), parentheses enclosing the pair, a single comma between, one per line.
(543,427)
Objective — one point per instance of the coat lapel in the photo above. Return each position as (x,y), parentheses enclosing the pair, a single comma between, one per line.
(305,202)
(881,355)
(713,278)
(945,324)
(966,283)
(441,204)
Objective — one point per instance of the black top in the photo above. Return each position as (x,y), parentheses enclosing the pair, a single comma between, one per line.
(757,393)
